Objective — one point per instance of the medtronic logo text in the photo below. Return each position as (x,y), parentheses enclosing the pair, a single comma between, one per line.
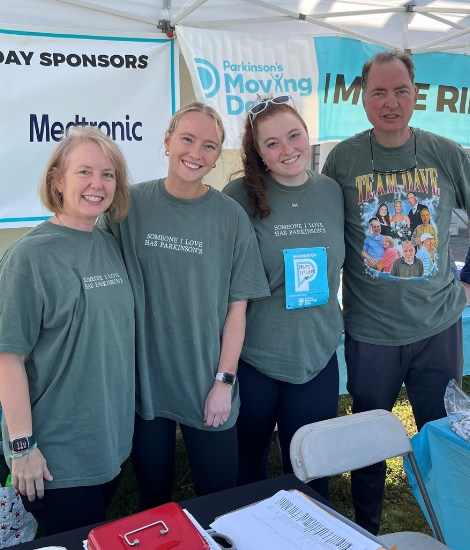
(271,78)
(209,77)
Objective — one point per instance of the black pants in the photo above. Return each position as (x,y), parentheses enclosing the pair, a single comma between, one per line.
(212,456)
(265,402)
(375,377)
(65,509)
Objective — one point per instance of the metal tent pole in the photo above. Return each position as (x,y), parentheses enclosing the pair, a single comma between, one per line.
(303,17)
(427,500)
(186,12)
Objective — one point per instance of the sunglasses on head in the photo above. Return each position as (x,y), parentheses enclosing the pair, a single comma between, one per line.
(254,111)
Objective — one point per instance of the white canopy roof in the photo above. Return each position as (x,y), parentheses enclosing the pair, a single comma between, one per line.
(420,25)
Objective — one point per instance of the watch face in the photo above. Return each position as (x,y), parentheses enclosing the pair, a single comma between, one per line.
(20,444)
(229,379)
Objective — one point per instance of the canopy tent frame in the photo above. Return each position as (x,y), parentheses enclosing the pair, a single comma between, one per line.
(315,19)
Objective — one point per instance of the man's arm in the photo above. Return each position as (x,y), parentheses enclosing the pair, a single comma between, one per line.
(368,257)
(465,276)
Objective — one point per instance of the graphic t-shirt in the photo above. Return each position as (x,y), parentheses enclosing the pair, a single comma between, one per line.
(187,259)
(66,303)
(294,345)
(414,303)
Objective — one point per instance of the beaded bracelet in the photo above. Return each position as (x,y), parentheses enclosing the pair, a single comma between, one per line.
(24,453)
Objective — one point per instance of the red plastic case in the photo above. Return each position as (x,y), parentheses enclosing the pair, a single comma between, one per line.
(166,527)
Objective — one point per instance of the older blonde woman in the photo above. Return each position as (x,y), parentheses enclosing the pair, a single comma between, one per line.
(67,341)
(389,256)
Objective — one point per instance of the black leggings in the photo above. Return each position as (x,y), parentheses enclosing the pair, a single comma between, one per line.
(65,509)
(265,401)
(375,376)
(212,456)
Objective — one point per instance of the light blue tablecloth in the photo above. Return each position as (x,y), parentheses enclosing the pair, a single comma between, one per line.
(444,462)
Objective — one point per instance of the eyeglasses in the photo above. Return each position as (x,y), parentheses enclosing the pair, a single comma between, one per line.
(260,107)
(390,172)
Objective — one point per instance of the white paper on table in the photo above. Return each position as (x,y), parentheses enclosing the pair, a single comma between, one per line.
(290,521)
(210,541)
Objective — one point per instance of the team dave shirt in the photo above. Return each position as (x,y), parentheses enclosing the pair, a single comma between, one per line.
(403,306)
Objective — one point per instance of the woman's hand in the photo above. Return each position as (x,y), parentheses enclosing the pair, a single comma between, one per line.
(28,474)
(218,404)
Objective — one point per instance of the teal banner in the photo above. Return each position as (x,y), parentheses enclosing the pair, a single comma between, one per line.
(442,79)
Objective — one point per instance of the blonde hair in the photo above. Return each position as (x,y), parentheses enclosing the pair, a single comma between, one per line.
(50,196)
(203,109)
(390,241)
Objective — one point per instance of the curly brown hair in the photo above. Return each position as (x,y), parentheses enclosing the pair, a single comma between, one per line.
(254,169)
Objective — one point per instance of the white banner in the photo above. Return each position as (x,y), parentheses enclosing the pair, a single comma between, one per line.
(125,85)
(229,69)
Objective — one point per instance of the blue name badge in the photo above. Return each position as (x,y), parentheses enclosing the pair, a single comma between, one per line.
(306,277)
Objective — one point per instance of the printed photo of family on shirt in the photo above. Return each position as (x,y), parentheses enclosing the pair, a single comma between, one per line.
(402,245)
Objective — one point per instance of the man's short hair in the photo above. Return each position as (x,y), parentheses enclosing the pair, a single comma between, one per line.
(411,193)
(381,58)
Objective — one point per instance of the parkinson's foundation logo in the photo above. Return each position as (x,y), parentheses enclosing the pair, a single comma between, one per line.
(209,77)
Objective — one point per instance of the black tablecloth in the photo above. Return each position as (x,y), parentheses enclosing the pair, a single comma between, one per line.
(204,509)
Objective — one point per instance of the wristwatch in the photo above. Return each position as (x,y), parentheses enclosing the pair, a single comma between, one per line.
(226,378)
(21,444)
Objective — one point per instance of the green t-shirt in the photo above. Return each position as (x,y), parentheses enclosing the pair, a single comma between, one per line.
(187,259)
(66,303)
(379,308)
(294,345)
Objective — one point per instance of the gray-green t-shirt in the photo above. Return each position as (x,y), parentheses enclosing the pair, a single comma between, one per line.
(379,308)
(187,259)
(294,345)
(66,303)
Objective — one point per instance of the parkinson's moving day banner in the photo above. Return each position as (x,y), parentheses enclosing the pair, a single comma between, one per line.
(323,75)
(126,86)
(229,69)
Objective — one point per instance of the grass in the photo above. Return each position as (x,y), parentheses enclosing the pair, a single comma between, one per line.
(400,512)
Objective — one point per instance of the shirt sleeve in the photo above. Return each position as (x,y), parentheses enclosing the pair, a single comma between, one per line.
(21,311)
(248,278)
(329,166)
(462,181)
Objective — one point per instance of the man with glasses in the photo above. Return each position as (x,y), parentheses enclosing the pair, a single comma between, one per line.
(398,329)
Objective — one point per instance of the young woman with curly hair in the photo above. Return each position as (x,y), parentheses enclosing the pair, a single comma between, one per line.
(288,370)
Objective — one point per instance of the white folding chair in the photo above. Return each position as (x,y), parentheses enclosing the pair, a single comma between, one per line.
(346,443)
